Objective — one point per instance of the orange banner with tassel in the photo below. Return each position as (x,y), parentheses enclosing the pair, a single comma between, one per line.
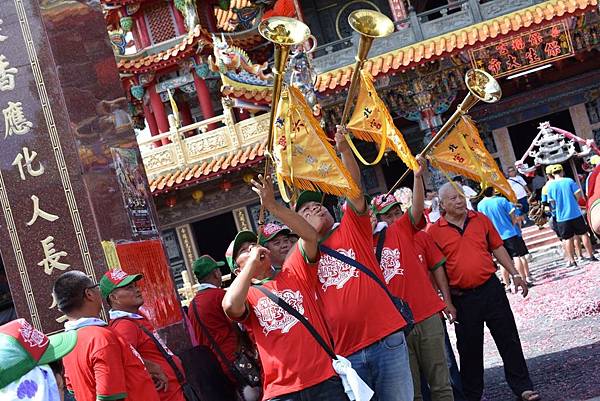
(304,159)
(372,122)
(462,152)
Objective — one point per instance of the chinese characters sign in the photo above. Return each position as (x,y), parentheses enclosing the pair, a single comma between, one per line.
(525,51)
(42,230)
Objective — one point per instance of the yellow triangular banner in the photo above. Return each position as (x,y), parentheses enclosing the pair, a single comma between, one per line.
(303,157)
(462,151)
(372,122)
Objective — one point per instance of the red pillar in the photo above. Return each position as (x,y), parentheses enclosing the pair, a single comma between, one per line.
(151,121)
(209,14)
(160,114)
(142,30)
(204,99)
(398,9)
(179,20)
(186,116)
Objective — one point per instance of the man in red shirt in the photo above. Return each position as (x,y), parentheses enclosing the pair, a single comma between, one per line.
(468,239)
(213,321)
(406,273)
(102,366)
(365,325)
(294,364)
(125,299)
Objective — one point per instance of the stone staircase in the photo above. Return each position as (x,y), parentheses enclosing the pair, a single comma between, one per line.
(540,239)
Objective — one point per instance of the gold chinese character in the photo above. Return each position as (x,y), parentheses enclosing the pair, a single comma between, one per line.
(7,75)
(51,259)
(26,160)
(37,212)
(15,121)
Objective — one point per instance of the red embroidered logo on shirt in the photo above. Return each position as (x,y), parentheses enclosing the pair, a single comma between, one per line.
(334,272)
(272,317)
(390,264)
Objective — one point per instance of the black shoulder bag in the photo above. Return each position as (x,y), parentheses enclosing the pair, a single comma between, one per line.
(399,303)
(188,391)
(245,367)
(289,309)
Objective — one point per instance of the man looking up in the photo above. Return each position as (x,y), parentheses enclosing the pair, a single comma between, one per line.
(468,239)
(276,238)
(294,364)
(125,299)
(363,321)
(102,366)
(407,278)
(563,193)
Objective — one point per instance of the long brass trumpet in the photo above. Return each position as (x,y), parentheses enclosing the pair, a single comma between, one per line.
(482,87)
(370,25)
(284,33)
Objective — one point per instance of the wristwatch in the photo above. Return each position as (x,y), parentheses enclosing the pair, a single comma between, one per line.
(516,276)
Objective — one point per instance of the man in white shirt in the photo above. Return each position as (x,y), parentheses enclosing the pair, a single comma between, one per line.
(519,186)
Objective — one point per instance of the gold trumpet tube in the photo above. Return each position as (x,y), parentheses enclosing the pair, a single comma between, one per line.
(284,33)
(370,25)
(482,87)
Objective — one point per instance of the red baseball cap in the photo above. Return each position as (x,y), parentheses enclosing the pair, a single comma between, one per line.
(383,204)
(22,348)
(270,231)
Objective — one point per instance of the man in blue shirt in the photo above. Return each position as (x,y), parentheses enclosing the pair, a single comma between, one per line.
(502,214)
(563,193)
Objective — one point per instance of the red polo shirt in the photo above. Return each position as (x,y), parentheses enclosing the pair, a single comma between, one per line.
(292,360)
(468,250)
(130,330)
(405,272)
(102,366)
(356,309)
(218,324)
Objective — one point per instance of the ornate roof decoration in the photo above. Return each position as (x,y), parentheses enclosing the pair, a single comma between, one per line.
(458,40)
(207,170)
(139,63)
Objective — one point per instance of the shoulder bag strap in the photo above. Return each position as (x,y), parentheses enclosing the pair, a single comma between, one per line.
(289,309)
(359,266)
(165,354)
(380,242)
(213,342)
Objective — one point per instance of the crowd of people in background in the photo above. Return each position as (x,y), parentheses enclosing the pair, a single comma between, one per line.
(317,309)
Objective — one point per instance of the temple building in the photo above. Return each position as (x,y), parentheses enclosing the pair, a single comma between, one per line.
(199,87)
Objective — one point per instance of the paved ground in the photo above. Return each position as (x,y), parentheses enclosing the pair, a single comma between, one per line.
(559,325)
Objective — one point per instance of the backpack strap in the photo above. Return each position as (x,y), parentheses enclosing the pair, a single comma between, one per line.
(380,242)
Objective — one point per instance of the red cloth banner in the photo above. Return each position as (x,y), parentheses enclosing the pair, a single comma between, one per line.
(161,305)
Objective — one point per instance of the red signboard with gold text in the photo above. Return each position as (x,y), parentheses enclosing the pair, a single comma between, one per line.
(148,258)
(525,51)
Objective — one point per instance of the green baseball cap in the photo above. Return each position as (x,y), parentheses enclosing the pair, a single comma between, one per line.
(271,230)
(308,196)
(116,278)
(234,247)
(204,265)
(22,348)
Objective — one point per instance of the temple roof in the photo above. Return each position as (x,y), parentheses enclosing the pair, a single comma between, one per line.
(458,40)
(206,170)
(152,62)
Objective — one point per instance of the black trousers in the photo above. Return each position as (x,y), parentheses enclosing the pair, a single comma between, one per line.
(488,304)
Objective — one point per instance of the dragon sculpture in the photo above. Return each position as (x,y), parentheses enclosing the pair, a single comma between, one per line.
(231,60)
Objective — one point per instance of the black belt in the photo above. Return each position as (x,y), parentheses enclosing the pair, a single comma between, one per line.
(465,291)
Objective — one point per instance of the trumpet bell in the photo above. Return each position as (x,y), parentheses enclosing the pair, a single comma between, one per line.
(483,86)
(284,31)
(371,23)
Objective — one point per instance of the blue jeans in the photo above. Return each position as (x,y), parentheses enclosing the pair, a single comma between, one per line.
(329,390)
(385,368)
